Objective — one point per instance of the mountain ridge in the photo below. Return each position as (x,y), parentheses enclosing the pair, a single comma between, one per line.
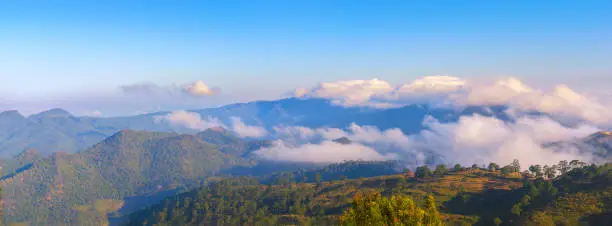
(56,129)
(127,164)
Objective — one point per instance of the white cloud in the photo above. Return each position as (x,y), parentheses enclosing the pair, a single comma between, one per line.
(244,130)
(500,92)
(450,91)
(432,84)
(369,135)
(189,120)
(325,152)
(193,121)
(480,139)
(348,93)
(366,140)
(472,139)
(194,89)
(199,88)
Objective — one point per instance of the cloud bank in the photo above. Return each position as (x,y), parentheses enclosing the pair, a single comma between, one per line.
(562,114)
(244,130)
(480,139)
(194,121)
(472,139)
(448,91)
(324,152)
(189,120)
(302,144)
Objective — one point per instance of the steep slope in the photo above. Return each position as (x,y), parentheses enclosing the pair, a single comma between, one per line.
(63,188)
(19,163)
(9,122)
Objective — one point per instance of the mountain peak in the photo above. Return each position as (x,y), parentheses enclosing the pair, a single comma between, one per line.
(11,113)
(139,133)
(600,139)
(218,129)
(215,130)
(606,133)
(218,136)
(600,134)
(343,140)
(52,113)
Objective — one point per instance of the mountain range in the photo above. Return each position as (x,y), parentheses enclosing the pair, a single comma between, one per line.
(61,169)
(59,189)
(58,130)
(133,169)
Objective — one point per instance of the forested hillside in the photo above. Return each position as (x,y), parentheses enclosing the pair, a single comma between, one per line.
(464,196)
(122,173)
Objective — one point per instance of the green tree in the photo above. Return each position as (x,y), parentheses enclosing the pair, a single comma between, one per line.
(422,172)
(550,171)
(576,164)
(506,170)
(516,166)
(441,170)
(563,167)
(516,209)
(407,170)
(497,221)
(432,217)
(493,166)
(373,209)
(536,170)
(458,167)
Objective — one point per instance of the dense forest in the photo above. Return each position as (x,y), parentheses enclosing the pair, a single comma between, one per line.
(565,194)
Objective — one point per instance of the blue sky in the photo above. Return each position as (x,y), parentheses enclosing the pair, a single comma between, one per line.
(63,52)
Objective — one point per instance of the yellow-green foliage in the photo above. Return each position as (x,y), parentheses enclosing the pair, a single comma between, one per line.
(374,209)
(568,209)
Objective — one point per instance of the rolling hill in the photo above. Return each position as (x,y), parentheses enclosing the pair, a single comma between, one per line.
(63,189)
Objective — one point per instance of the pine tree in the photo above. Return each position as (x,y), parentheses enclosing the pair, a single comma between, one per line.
(432,217)
(493,166)
(422,172)
(516,166)
(458,167)
(373,209)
